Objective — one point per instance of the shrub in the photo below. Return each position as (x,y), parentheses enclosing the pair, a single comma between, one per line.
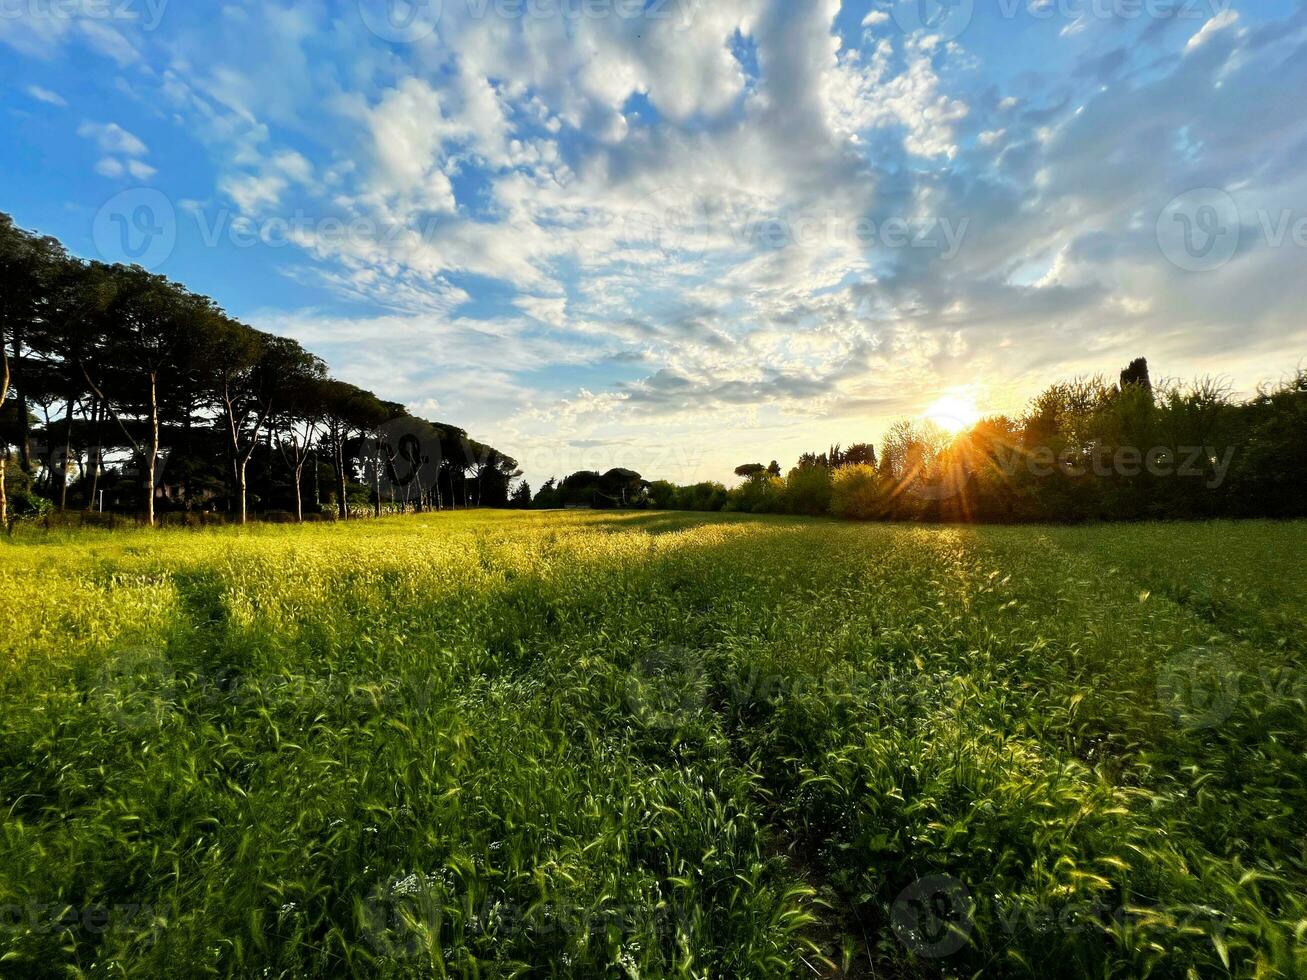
(662,495)
(757,495)
(180,519)
(808,491)
(24,503)
(706,496)
(856,493)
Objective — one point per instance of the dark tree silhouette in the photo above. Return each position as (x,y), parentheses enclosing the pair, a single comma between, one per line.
(123,364)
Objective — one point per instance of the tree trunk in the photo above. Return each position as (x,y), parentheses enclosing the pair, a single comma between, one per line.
(24,423)
(153,455)
(4,395)
(68,452)
(342,504)
(299,493)
(241,467)
(4,456)
(97,418)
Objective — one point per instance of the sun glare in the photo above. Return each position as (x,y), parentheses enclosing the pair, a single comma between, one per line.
(954,413)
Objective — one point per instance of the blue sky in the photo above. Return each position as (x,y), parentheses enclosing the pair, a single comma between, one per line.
(680,235)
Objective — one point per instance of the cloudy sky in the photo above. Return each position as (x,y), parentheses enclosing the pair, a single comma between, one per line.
(679,235)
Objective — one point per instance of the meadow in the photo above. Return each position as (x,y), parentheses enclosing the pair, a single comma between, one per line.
(647,745)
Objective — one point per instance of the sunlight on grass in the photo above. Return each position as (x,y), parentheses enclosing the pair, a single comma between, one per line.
(617,744)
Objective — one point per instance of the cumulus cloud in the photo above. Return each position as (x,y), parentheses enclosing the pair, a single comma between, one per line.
(762,216)
(122,151)
(112,138)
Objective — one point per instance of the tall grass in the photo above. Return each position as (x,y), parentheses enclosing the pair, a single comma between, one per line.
(620,745)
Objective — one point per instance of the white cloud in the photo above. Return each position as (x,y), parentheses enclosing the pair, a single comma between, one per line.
(109,167)
(629,189)
(46,96)
(1226,18)
(408,130)
(112,138)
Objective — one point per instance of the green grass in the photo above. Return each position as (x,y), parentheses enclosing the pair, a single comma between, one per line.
(655,745)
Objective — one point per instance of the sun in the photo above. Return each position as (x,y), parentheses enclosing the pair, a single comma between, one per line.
(954,413)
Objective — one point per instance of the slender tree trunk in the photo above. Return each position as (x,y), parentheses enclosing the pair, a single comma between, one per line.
(317,486)
(24,424)
(97,417)
(152,458)
(231,470)
(68,452)
(241,468)
(4,456)
(376,488)
(342,504)
(189,442)
(299,492)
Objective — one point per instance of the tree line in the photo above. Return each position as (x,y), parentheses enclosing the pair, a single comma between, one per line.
(124,391)
(1090,449)
(121,390)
